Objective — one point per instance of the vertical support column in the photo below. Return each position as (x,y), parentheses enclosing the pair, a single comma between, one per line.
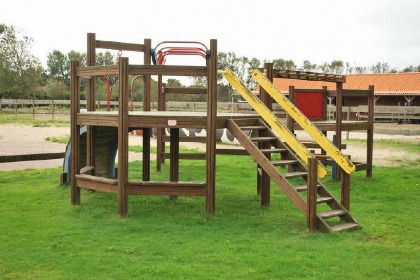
(371,114)
(290,122)
(211,128)
(345,190)
(268,101)
(123,137)
(289,119)
(324,117)
(312,185)
(91,97)
(74,134)
(338,123)
(174,155)
(160,145)
(146,107)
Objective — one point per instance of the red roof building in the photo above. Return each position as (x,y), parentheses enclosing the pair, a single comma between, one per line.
(390,88)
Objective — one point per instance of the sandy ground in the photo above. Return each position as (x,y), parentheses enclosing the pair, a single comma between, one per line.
(20,139)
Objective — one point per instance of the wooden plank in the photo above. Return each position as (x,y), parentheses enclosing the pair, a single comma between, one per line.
(188,90)
(87,169)
(239,152)
(211,72)
(74,133)
(119,46)
(303,75)
(89,71)
(97,183)
(312,187)
(123,137)
(167,188)
(167,70)
(185,156)
(30,157)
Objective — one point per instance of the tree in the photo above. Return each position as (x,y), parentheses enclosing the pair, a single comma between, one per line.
(337,66)
(360,70)
(380,67)
(308,66)
(58,69)
(284,64)
(57,89)
(20,71)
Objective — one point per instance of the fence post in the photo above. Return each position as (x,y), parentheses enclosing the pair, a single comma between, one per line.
(33,108)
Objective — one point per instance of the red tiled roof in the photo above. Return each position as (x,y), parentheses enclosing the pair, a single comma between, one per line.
(385,84)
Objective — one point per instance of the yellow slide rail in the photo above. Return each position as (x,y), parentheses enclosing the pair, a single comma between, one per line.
(272,120)
(305,123)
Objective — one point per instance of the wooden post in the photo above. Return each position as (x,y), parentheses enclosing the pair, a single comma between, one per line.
(338,123)
(146,107)
(268,101)
(33,108)
(123,137)
(74,133)
(174,158)
(53,108)
(371,113)
(345,190)
(312,185)
(211,127)
(91,96)
(160,145)
(289,119)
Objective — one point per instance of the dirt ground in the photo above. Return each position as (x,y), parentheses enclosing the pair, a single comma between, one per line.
(21,139)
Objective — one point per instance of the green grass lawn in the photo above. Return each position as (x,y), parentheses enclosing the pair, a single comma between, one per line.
(43,237)
(7,118)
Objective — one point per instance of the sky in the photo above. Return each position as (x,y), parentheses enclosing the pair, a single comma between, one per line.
(361,32)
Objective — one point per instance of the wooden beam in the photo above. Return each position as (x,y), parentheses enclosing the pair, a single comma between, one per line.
(167,70)
(160,144)
(123,137)
(91,98)
(119,46)
(211,72)
(89,71)
(30,157)
(371,120)
(312,76)
(97,183)
(74,133)
(189,90)
(312,186)
(167,188)
(147,95)
(345,190)
(338,123)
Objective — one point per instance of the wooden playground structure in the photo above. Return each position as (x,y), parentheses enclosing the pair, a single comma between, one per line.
(91,169)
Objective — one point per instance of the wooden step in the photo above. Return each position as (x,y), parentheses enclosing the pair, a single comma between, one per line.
(344,227)
(284,162)
(271,151)
(331,213)
(291,175)
(303,188)
(253,127)
(324,199)
(263,139)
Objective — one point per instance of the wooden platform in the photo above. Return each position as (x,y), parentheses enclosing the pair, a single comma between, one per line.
(154,119)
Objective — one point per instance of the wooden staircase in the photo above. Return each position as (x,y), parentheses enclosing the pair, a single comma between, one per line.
(270,153)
